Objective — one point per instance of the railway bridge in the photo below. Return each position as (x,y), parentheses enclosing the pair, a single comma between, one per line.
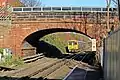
(31,23)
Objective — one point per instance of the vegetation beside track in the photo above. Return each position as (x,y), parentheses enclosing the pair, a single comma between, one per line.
(60,39)
(11,62)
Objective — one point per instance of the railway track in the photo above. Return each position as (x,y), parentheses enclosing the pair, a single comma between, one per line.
(32,58)
(4,68)
(29,69)
(51,68)
(25,60)
(41,69)
(40,65)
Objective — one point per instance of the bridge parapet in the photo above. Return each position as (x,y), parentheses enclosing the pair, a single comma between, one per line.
(25,23)
(73,17)
(62,9)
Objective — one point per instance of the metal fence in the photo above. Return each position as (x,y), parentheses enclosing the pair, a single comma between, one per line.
(68,9)
(111,56)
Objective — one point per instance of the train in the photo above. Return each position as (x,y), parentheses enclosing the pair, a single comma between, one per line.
(74,46)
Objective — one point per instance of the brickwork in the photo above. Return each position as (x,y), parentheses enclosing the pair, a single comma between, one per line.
(24,24)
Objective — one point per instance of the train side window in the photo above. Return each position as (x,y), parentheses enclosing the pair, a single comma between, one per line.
(70,43)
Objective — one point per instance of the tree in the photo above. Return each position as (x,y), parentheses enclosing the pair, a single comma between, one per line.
(108,6)
(115,2)
(31,3)
(118,4)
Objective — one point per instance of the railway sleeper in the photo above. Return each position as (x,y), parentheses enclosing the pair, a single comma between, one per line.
(50,70)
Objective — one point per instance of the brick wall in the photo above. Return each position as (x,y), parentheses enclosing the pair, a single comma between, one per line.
(23,26)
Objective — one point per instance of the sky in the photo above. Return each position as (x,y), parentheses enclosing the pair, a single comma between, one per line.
(92,3)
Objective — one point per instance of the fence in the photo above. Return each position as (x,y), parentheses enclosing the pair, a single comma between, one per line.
(111,56)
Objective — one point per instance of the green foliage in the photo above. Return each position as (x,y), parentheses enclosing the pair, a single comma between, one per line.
(10,61)
(1,51)
(59,39)
(56,40)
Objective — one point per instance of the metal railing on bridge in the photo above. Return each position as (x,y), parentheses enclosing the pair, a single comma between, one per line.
(62,9)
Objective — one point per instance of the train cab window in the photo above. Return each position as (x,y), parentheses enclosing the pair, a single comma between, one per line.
(66,8)
(70,43)
(46,8)
(17,9)
(36,9)
(26,9)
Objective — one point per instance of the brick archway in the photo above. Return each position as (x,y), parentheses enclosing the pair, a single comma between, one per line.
(19,32)
(26,23)
(32,40)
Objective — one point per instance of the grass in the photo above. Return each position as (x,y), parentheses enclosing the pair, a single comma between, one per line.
(11,62)
(60,39)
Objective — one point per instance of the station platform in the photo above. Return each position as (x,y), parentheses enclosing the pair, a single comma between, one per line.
(83,74)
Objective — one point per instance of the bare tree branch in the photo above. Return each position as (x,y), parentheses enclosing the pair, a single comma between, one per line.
(31,3)
(115,1)
(108,6)
(108,3)
(39,3)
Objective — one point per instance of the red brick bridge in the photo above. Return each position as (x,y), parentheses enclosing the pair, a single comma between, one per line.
(29,24)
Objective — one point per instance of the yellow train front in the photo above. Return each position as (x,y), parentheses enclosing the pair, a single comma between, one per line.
(73,46)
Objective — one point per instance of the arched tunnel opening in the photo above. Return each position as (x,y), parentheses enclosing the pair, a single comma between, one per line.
(50,50)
